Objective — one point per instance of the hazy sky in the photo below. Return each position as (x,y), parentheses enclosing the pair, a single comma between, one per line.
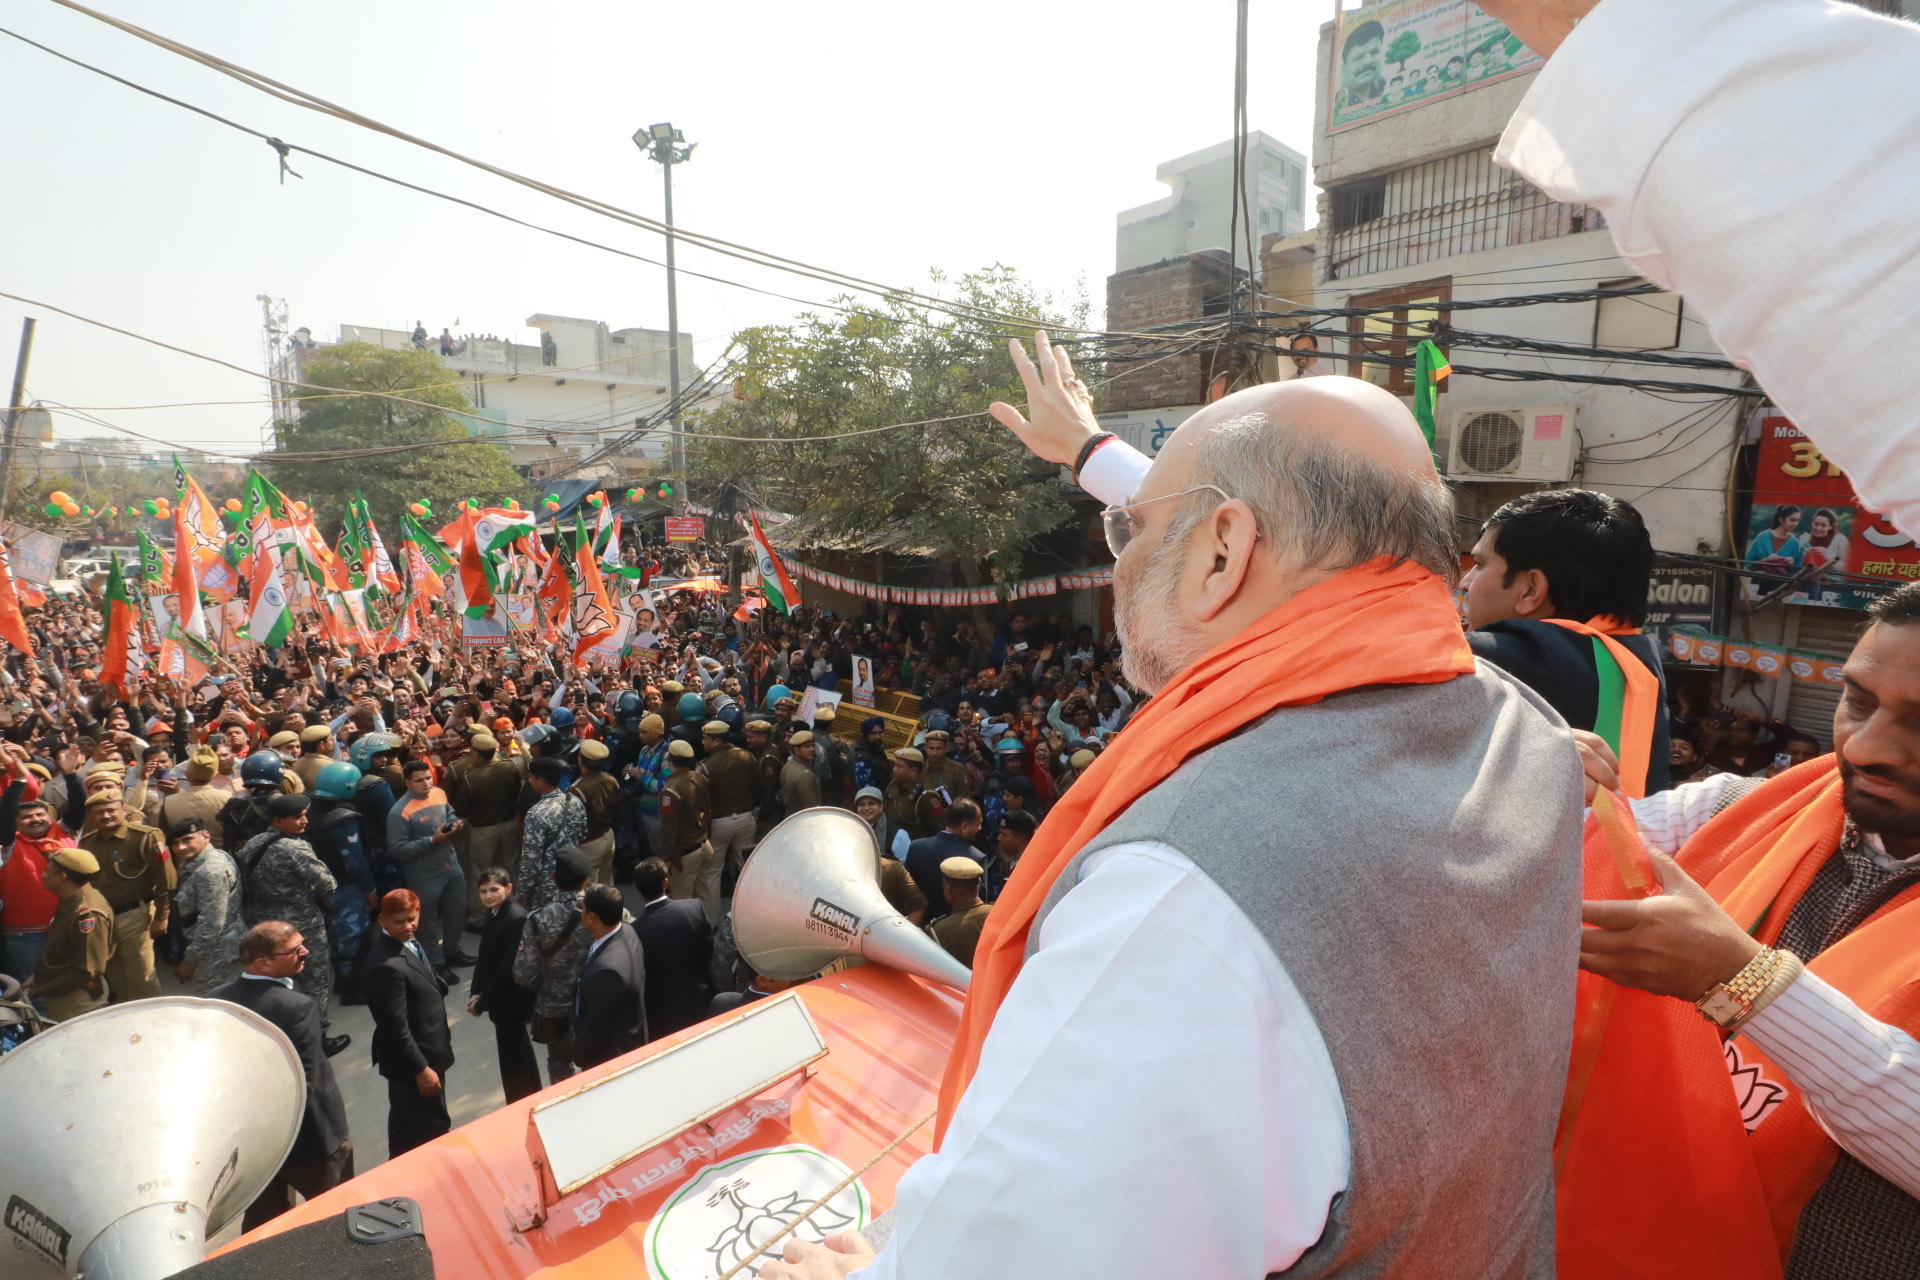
(883,140)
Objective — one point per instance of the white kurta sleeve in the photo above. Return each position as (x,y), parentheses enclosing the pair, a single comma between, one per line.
(1761,157)
(1667,819)
(1860,1077)
(1114,471)
(1153,1100)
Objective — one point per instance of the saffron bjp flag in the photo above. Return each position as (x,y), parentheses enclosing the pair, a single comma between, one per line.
(199,520)
(779,588)
(183,636)
(593,618)
(427,560)
(13,627)
(122,659)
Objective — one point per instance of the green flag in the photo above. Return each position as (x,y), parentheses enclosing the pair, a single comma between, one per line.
(1430,374)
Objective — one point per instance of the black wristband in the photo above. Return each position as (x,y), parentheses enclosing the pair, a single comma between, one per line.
(1094,441)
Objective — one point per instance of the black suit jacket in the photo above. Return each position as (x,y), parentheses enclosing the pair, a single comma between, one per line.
(609,1010)
(324,1127)
(676,943)
(409,1008)
(501,998)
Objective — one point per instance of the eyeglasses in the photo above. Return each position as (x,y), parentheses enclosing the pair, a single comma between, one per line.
(1121,526)
(297,951)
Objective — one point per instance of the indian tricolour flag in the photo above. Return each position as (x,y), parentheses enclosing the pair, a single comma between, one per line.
(779,588)
(495,528)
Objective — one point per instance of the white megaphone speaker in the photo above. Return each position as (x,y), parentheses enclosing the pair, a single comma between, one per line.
(810,895)
(135,1132)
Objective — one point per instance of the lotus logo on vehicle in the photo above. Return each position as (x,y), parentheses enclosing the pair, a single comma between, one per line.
(715,1222)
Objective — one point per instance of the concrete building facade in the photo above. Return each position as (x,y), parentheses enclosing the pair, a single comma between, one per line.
(1197,214)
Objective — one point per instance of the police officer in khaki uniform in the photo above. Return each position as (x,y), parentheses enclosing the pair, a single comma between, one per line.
(137,880)
(942,770)
(71,976)
(733,791)
(959,930)
(316,753)
(799,786)
(600,792)
(769,761)
(685,824)
(909,807)
(670,703)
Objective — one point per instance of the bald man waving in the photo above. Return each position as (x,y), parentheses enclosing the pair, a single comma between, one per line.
(1232,1014)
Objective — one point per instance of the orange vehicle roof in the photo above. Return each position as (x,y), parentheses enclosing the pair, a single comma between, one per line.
(887,1035)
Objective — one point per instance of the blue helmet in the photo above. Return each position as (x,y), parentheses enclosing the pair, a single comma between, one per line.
(262,770)
(336,781)
(776,693)
(562,718)
(939,721)
(368,745)
(692,707)
(629,706)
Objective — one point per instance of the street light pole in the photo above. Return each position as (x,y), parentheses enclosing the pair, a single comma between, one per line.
(668,147)
(15,407)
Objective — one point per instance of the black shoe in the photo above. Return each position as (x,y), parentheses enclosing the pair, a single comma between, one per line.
(460,960)
(332,1045)
(448,976)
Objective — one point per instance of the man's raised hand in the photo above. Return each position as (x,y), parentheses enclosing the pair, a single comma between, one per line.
(1060,404)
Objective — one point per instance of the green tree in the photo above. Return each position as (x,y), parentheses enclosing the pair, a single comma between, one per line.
(456,466)
(1404,46)
(965,491)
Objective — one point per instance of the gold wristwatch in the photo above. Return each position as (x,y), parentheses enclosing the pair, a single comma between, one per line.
(1731,1003)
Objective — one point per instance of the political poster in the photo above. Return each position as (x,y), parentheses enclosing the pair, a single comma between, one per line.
(1393,57)
(863,682)
(1806,524)
(685,528)
(33,556)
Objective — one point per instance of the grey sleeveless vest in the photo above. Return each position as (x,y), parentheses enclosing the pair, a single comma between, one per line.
(1412,855)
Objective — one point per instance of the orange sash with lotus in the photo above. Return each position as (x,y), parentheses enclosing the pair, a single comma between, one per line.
(1681,1153)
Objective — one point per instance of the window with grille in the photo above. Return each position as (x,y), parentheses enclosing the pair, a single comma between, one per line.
(1460,204)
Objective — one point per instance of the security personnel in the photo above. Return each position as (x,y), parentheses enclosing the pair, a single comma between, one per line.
(942,770)
(799,788)
(832,762)
(137,880)
(733,790)
(316,753)
(670,693)
(71,976)
(909,807)
(601,795)
(685,825)
(959,930)
(285,880)
(335,833)
(769,761)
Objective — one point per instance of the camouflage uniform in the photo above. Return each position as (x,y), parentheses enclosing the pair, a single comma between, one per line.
(208,904)
(285,880)
(553,946)
(555,821)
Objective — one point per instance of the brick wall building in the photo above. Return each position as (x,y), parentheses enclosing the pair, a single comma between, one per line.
(1173,291)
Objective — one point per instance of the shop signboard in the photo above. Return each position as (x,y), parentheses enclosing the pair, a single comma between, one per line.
(1390,58)
(1806,523)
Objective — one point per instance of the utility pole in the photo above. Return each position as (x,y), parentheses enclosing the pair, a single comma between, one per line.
(15,407)
(668,147)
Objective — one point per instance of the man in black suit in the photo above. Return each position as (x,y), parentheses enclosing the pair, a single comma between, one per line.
(676,945)
(411,1043)
(495,993)
(609,1004)
(272,952)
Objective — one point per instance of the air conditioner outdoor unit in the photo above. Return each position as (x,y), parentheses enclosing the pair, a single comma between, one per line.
(1531,442)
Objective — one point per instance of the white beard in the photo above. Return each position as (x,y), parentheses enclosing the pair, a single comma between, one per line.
(1156,643)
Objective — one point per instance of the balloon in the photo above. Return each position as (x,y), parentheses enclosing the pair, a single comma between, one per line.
(59,498)
(666,491)
(52,508)
(418,508)
(70,509)
(151,507)
(233,504)
(633,495)
(513,504)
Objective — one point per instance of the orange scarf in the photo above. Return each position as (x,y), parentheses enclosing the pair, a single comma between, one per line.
(1379,623)
(1639,712)
(1659,1177)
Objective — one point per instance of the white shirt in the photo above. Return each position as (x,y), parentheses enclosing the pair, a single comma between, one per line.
(1860,1077)
(1761,157)
(1154,1099)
